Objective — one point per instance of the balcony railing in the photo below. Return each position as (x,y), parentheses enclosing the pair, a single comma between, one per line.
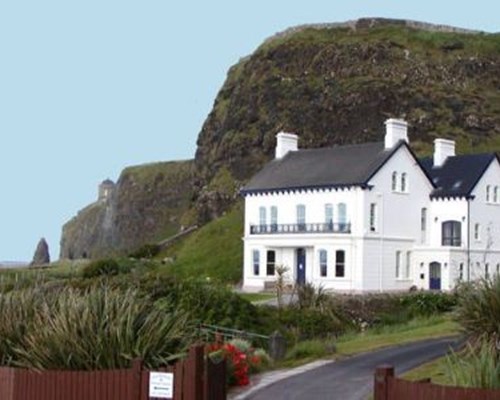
(300,228)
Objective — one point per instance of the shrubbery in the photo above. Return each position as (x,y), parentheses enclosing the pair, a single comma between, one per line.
(146,251)
(107,267)
(97,328)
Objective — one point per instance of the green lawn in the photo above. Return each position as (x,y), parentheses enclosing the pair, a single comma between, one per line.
(416,329)
(393,335)
(256,297)
(434,370)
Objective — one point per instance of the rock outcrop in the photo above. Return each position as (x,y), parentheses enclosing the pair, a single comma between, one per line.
(42,255)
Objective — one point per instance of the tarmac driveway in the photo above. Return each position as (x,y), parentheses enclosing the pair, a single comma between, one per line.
(352,378)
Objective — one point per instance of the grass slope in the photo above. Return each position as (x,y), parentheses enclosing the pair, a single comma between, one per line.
(215,251)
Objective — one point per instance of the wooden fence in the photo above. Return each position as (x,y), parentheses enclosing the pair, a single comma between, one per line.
(194,379)
(388,387)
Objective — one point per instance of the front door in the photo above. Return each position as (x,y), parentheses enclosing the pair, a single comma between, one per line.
(435,276)
(301,266)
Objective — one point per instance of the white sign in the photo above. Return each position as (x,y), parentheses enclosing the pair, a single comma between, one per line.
(161,385)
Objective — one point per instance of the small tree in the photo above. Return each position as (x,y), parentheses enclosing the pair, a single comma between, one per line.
(281,271)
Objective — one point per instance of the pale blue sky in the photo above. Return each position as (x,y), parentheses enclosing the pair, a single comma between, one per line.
(89,87)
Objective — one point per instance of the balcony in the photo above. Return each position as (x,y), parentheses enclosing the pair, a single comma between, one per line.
(300,228)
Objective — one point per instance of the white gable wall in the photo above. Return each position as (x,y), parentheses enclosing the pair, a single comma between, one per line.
(485,249)
(398,227)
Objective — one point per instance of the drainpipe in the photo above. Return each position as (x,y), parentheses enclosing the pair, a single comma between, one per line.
(381,255)
(468,238)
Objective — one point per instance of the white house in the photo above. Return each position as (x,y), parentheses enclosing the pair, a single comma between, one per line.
(372,217)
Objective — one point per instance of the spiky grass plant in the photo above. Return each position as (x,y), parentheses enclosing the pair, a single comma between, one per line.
(479,310)
(98,328)
(476,366)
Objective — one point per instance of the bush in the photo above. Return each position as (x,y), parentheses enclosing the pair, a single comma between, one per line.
(241,358)
(428,303)
(104,267)
(146,251)
(479,310)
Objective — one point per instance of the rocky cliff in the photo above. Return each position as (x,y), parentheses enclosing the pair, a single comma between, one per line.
(337,83)
(331,84)
(145,206)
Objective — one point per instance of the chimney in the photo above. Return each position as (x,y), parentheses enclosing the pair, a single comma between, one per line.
(443,149)
(286,142)
(395,130)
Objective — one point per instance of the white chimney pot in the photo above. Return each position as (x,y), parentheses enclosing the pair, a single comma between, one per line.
(443,149)
(286,142)
(395,131)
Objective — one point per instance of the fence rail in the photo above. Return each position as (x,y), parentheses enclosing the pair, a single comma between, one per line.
(388,387)
(194,379)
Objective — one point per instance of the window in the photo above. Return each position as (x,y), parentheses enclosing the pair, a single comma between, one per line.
(495,195)
(342,212)
(451,233)
(301,217)
(271,262)
(329,215)
(323,263)
(408,265)
(262,217)
(394,182)
(340,263)
(461,272)
(256,262)
(488,188)
(477,232)
(486,271)
(398,264)
(404,183)
(274,218)
(423,224)
(373,217)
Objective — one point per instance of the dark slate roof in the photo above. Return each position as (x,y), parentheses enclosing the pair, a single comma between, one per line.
(341,166)
(458,176)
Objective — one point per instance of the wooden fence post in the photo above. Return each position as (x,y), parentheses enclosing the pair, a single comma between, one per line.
(381,387)
(193,380)
(137,379)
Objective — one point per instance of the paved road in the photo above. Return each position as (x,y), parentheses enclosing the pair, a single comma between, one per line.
(352,378)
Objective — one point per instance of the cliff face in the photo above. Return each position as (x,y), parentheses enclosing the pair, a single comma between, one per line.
(336,84)
(330,84)
(146,206)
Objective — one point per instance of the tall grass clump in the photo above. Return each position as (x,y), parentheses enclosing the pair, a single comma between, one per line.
(477,366)
(479,310)
(96,328)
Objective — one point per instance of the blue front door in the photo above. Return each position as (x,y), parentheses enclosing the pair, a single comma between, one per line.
(301,266)
(435,276)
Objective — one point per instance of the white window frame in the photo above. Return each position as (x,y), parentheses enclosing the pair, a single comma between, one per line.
(398,264)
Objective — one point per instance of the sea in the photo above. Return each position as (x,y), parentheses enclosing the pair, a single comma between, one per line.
(13,264)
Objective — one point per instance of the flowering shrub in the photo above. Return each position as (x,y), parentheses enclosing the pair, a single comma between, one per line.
(241,358)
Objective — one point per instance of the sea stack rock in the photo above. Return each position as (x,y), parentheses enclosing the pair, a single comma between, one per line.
(41,255)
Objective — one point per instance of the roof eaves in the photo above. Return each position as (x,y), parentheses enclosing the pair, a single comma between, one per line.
(245,192)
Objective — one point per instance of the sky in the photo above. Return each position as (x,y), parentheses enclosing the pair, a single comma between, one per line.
(90,87)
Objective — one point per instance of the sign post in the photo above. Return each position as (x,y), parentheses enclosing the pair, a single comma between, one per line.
(161,385)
